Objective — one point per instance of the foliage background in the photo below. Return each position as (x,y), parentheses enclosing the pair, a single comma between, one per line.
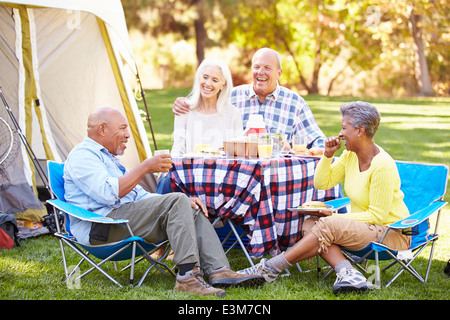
(369,48)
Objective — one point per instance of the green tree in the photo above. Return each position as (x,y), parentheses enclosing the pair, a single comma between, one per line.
(309,34)
(184,18)
(402,46)
(414,39)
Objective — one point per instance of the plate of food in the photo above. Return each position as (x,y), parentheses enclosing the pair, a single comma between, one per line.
(314,152)
(312,208)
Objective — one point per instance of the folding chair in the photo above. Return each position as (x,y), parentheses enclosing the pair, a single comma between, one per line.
(127,249)
(231,236)
(424,187)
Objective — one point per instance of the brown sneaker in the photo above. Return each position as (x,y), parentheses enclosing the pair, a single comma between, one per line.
(193,282)
(225,277)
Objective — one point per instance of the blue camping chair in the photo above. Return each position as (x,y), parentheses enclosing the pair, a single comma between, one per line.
(127,249)
(424,187)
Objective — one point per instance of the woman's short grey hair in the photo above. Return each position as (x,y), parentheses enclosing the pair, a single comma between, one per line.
(361,113)
(224,96)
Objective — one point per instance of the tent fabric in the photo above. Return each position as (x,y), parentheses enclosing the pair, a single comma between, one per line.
(110,11)
(59,60)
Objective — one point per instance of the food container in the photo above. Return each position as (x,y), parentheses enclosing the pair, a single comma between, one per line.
(255,125)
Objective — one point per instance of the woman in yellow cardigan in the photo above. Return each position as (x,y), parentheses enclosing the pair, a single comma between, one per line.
(372,183)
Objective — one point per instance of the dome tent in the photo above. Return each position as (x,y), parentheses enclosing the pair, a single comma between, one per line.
(59,60)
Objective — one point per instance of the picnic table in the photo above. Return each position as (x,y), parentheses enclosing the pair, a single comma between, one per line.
(255,194)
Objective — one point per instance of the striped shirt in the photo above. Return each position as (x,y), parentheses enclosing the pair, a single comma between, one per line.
(284,111)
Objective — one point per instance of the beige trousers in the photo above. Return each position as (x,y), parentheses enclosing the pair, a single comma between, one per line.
(352,235)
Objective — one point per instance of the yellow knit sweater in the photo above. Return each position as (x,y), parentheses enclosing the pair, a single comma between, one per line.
(375,195)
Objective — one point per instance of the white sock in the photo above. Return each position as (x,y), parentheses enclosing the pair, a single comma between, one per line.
(278,263)
(342,264)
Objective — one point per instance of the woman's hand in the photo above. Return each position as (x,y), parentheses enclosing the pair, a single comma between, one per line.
(332,144)
(324,213)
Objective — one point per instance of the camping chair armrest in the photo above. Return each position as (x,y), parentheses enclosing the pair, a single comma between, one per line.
(338,203)
(83,214)
(418,216)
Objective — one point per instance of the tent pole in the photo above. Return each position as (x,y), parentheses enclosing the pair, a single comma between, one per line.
(25,142)
(146,111)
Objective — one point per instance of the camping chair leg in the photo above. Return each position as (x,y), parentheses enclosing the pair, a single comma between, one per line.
(429,262)
(78,266)
(233,245)
(93,264)
(403,268)
(327,274)
(356,262)
(377,271)
(408,268)
(158,262)
(319,268)
(61,245)
(155,263)
(393,263)
(133,256)
(226,238)
(105,260)
(240,242)
(238,239)
(216,221)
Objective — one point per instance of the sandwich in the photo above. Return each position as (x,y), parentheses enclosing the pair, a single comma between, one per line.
(303,151)
(298,150)
(314,204)
(315,151)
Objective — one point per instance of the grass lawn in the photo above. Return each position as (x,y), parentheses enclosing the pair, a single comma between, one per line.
(416,129)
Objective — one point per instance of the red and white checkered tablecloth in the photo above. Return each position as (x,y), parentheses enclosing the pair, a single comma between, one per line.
(255,194)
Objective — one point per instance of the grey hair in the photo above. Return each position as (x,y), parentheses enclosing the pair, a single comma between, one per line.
(361,113)
(224,96)
(262,50)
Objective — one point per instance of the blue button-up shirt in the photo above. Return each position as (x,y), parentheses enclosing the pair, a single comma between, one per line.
(91,182)
(284,111)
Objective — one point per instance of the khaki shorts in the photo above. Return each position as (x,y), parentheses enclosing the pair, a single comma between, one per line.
(352,235)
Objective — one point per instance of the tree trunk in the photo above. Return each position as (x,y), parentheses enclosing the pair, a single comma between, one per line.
(297,66)
(317,64)
(421,67)
(200,31)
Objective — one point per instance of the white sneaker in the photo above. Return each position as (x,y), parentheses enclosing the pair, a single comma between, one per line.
(350,280)
(261,269)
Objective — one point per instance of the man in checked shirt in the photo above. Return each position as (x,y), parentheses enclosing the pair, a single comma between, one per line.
(284,111)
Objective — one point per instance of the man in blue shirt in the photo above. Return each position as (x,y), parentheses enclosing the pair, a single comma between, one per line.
(95,180)
(283,110)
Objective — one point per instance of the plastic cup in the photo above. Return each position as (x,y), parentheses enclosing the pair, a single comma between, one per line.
(298,141)
(265,146)
(162,151)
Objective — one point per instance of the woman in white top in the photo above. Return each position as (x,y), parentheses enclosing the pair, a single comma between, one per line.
(213,118)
